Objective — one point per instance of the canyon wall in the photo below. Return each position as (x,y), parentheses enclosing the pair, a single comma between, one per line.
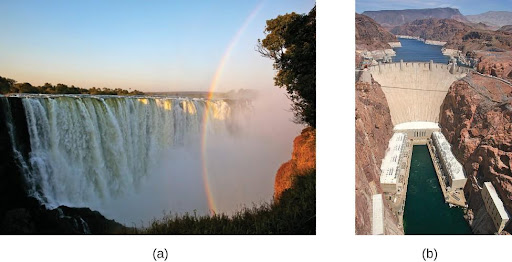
(476,118)
(373,130)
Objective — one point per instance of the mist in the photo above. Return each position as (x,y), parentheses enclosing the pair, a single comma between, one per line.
(241,167)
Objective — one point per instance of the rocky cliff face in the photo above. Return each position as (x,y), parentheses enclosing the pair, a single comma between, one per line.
(392,18)
(476,118)
(497,64)
(303,160)
(370,35)
(373,131)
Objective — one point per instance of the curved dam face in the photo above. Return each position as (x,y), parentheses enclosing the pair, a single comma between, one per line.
(415,90)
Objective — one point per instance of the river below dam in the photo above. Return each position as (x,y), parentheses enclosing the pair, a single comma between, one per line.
(417,51)
(425,210)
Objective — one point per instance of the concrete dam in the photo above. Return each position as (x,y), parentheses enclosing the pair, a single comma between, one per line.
(416,90)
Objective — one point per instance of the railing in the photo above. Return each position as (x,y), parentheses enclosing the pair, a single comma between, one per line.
(430,65)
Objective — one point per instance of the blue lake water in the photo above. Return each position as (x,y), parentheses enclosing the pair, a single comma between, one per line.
(416,51)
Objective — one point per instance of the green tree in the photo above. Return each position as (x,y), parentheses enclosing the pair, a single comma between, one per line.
(6,85)
(291,42)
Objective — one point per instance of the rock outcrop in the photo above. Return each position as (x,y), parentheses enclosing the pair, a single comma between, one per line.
(373,131)
(303,160)
(392,18)
(506,29)
(498,64)
(371,36)
(476,118)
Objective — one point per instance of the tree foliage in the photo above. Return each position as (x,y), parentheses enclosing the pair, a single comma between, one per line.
(10,86)
(291,42)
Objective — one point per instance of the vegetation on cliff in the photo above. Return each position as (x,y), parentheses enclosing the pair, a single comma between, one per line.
(291,43)
(11,86)
(295,213)
(303,161)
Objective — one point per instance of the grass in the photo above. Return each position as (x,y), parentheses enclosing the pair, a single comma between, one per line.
(294,213)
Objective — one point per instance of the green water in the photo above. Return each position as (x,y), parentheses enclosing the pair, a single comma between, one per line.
(425,210)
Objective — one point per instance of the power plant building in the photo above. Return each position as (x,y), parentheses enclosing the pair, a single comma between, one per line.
(419,131)
(391,176)
(451,167)
(494,206)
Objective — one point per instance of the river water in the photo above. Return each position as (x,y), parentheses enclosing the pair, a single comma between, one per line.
(425,209)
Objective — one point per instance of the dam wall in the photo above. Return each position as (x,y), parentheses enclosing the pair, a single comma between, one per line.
(415,90)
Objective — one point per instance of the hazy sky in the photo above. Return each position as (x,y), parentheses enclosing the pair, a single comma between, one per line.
(147,45)
(466,7)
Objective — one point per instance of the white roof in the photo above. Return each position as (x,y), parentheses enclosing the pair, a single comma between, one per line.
(455,169)
(391,159)
(416,125)
(497,201)
(378,215)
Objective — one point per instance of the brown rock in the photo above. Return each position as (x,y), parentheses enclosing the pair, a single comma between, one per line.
(476,118)
(497,64)
(303,160)
(370,35)
(373,131)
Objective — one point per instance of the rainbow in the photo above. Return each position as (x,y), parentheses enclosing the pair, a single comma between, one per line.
(213,86)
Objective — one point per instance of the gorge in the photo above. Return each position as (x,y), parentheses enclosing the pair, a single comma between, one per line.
(418,91)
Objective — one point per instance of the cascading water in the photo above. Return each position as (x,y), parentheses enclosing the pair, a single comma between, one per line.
(85,148)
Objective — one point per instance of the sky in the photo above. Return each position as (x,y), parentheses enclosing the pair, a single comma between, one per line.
(466,7)
(144,45)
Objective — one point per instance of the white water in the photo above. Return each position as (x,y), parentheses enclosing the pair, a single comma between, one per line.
(89,149)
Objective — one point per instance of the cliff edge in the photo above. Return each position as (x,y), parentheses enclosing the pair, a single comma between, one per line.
(303,160)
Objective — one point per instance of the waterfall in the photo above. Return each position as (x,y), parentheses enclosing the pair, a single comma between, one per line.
(84,148)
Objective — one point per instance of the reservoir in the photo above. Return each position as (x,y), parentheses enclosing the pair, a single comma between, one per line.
(416,51)
(425,210)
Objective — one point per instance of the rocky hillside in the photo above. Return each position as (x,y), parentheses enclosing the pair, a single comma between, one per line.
(303,160)
(433,29)
(476,118)
(458,35)
(370,35)
(496,18)
(373,131)
(392,18)
(497,64)
(506,29)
